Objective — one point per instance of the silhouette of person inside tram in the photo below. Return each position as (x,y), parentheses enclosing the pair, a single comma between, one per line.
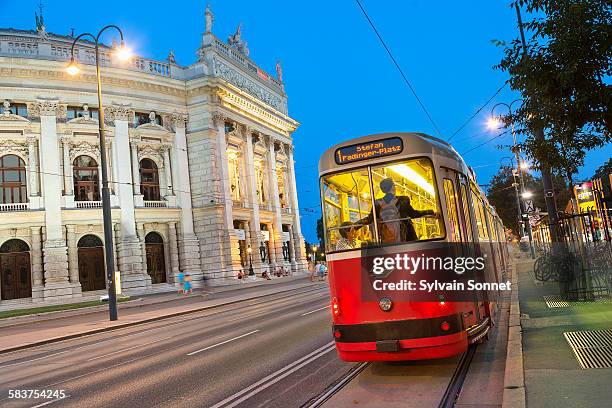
(394,215)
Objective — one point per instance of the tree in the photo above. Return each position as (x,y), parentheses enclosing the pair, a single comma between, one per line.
(321,233)
(561,75)
(502,195)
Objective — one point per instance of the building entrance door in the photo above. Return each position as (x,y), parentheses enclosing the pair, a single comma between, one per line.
(91,263)
(15,276)
(156,262)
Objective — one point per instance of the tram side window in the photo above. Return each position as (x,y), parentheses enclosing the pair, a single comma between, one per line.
(480,217)
(347,198)
(406,202)
(466,213)
(492,226)
(451,209)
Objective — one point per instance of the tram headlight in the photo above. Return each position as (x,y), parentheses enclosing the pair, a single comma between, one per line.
(385,304)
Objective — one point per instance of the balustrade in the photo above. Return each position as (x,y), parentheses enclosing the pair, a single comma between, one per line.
(155,204)
(89,204)
(13,207)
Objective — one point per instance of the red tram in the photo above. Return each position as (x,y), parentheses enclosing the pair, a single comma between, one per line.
(424,183)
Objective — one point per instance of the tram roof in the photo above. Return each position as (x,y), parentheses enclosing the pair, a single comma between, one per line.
(414,143)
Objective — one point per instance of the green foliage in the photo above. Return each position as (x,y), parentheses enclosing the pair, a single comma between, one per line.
(562,77)
(502,195)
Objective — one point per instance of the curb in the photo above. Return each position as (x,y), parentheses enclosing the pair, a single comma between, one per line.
(514,374)
(149,320)
(59,314)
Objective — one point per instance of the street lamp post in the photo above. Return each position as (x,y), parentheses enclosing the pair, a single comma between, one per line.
(519,165)
(314,251)
(515,185)
(250,251)
(73,69)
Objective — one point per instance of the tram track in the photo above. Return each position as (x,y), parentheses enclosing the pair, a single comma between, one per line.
(456,383)
(449,398)
(338,385)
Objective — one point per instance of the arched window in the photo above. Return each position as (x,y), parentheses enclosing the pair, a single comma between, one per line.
(12,180)
(86,180)
(149,180)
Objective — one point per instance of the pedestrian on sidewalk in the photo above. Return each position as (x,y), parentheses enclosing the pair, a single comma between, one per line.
(188,289)
(317,271)
(181,281)
(322,271)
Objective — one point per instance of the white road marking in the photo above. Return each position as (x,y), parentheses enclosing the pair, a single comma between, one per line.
(223,342)
(316,310)
(273,378)
(129,348)
(49,402)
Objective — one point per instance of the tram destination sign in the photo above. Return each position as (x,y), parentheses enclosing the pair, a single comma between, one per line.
(369,150)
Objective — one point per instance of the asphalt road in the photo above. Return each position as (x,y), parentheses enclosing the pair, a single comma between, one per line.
(274,352)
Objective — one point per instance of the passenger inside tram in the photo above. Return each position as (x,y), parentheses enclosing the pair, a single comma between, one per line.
(407,200)
(394,214)
(347,238)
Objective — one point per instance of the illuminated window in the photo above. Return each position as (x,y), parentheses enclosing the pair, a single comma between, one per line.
(466,213)
(405,202)
(451,210)
(347,199)
(480,215)
(234,174)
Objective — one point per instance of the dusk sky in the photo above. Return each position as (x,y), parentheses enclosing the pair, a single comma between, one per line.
(340,82)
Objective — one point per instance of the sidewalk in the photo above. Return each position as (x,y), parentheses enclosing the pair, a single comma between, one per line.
(553,376)
(28,331)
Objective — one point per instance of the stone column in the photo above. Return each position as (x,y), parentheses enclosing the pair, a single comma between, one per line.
(135,168)
(297,237)
(174,257)
(55,256)
(277,227)
(68,184)
(32,167)
(189,246)
(37,265)
(143,260)
(252,198)
(168,170)
(231,264)
(129,248)
(73,259)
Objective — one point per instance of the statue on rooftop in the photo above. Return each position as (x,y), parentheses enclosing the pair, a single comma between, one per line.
(209,18)
(40,23)
(235,40)
(279,71)
(170,58)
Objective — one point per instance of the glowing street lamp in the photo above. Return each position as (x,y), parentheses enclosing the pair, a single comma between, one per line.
(494,123)
(527,194)
(73,68)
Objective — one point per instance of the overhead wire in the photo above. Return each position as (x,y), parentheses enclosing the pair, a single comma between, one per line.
(484,105)
(384,44)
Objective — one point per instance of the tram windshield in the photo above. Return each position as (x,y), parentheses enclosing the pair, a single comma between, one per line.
(388,204)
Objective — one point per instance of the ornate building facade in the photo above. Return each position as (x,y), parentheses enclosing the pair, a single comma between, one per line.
(200,164)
